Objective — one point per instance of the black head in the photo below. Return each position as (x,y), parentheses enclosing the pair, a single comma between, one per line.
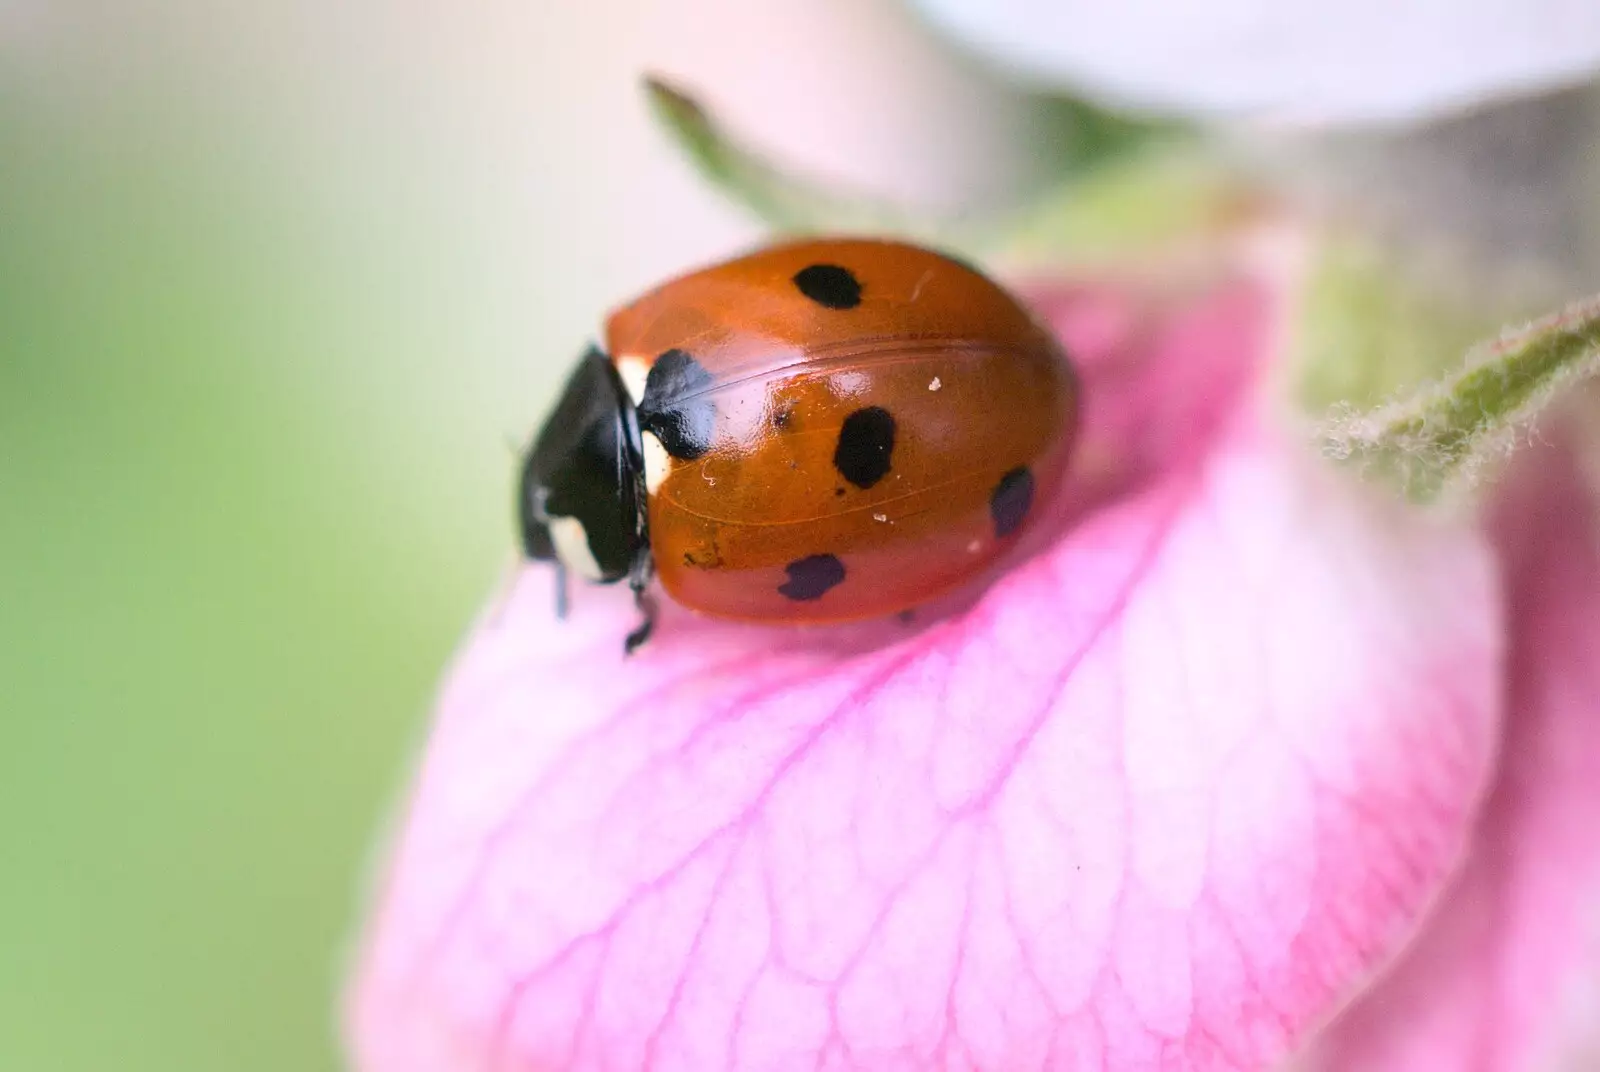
(581,499)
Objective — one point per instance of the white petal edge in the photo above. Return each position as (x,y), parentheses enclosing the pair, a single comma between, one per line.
(1299,61)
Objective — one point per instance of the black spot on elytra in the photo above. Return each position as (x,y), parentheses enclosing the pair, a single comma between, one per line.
(829,285)
(1009,503)
(812,577)
(675,406)
(838,491)
(866,444)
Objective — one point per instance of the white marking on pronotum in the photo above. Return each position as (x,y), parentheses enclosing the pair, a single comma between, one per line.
(634,371)
(657,462)
(572,547)
(934,384)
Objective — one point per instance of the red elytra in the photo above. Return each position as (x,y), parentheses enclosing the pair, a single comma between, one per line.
(819,431)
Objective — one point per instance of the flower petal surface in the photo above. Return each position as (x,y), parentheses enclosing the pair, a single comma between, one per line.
(1506,975)
(1160,794)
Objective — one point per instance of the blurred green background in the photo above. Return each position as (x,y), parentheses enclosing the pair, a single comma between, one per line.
(280,288)
(220,622)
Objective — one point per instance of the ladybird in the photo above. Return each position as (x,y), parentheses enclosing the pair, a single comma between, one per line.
(819,431)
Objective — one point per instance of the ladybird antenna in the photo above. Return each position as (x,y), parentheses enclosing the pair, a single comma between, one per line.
(563,595)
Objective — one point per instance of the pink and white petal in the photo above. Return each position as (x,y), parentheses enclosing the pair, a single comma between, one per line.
(1159,796)
(1505,976)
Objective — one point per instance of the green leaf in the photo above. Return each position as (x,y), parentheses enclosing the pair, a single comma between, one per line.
(788,204)
(1125,208)
(1083,137)
(1374,321)
(1123,182)
(1440,438)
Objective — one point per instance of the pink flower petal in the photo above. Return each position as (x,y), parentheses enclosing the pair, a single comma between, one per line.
(1504,977)
(1159,796)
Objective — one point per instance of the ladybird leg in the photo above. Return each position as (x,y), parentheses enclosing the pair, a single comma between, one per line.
(639,580)
(563,598)
(646,626)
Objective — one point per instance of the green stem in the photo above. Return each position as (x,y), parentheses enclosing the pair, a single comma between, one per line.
(1440,437)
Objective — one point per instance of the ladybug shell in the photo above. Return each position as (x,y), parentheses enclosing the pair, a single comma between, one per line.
(838,429)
